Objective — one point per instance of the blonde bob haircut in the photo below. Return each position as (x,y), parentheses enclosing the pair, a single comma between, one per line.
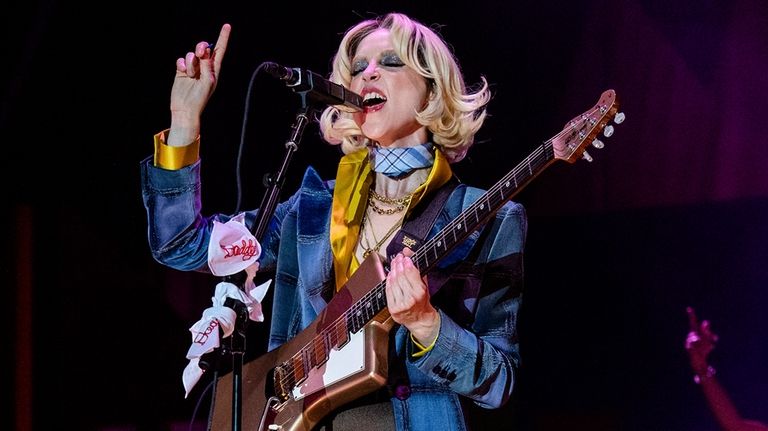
(453,114)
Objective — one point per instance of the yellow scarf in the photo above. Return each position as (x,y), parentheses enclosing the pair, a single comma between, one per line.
(350,195)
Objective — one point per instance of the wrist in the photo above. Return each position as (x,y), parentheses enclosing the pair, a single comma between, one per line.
(421,347)
(182,136)
(427,330)
(184,130)
(703,375)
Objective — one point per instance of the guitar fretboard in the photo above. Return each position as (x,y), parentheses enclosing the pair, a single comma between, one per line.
(457,230)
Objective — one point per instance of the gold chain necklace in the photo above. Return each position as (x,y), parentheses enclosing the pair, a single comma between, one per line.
(400,203)
(379,242)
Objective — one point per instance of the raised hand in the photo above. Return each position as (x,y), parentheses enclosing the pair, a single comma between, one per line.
(699,342)
(197,74)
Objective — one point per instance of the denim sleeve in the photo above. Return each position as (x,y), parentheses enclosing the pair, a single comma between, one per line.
(480,361)
(178,233)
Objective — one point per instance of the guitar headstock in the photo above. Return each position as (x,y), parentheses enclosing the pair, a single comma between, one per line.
(570,144)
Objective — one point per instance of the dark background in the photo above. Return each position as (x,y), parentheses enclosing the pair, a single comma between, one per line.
(670,213)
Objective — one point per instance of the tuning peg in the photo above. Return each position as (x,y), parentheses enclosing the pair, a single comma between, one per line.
(619,118)
(586,156)
(598,144)
(608,131)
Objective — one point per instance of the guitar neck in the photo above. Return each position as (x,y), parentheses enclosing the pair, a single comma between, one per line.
(457,230)
(483,208)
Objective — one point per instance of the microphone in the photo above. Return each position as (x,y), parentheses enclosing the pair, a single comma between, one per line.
(317,87)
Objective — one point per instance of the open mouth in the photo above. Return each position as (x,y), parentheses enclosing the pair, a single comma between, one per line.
(373,101)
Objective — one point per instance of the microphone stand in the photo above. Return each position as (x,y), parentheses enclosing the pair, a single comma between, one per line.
(267,208)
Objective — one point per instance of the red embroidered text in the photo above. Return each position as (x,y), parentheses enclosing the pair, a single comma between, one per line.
(246,249)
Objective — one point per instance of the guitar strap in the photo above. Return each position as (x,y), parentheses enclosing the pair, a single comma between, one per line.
(415,230)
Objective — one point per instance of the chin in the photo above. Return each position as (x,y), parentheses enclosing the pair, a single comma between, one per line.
(372,133)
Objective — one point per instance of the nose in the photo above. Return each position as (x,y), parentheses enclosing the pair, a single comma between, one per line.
(371,73)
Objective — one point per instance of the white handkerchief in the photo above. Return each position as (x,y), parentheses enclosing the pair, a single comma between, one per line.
(219,321)
(232,247)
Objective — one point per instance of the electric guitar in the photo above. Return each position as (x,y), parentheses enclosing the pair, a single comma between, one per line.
(342,355)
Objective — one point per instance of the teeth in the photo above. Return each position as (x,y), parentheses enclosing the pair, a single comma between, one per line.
(373,95)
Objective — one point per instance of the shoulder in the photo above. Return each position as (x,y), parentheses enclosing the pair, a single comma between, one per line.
(313,183)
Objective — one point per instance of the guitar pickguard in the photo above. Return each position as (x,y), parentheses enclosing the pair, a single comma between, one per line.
(341,364)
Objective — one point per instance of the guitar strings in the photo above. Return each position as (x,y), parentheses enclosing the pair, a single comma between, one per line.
(420,254)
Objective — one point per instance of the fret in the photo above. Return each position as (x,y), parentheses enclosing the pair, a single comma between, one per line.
(381,299)
(484,206)
(474,213)
(353,320)
(440,242)
(455,238)
(423,262)
(461,227)
(359,321)
(367,310)
(530,169)
(349,321)
(522,179)
(374,301)
(502,193)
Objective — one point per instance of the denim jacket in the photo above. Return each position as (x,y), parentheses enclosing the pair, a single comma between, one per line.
(477,288)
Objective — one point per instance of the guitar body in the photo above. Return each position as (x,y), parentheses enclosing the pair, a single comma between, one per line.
(347,368)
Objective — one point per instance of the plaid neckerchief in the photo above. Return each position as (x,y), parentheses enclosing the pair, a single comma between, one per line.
(397,162)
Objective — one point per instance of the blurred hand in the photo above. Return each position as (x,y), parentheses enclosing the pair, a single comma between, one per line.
(699,342)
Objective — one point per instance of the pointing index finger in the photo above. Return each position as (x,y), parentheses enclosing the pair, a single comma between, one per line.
(693,321)
(221,45)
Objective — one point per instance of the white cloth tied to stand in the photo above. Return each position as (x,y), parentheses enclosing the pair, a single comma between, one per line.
(232,248)
(218,321)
